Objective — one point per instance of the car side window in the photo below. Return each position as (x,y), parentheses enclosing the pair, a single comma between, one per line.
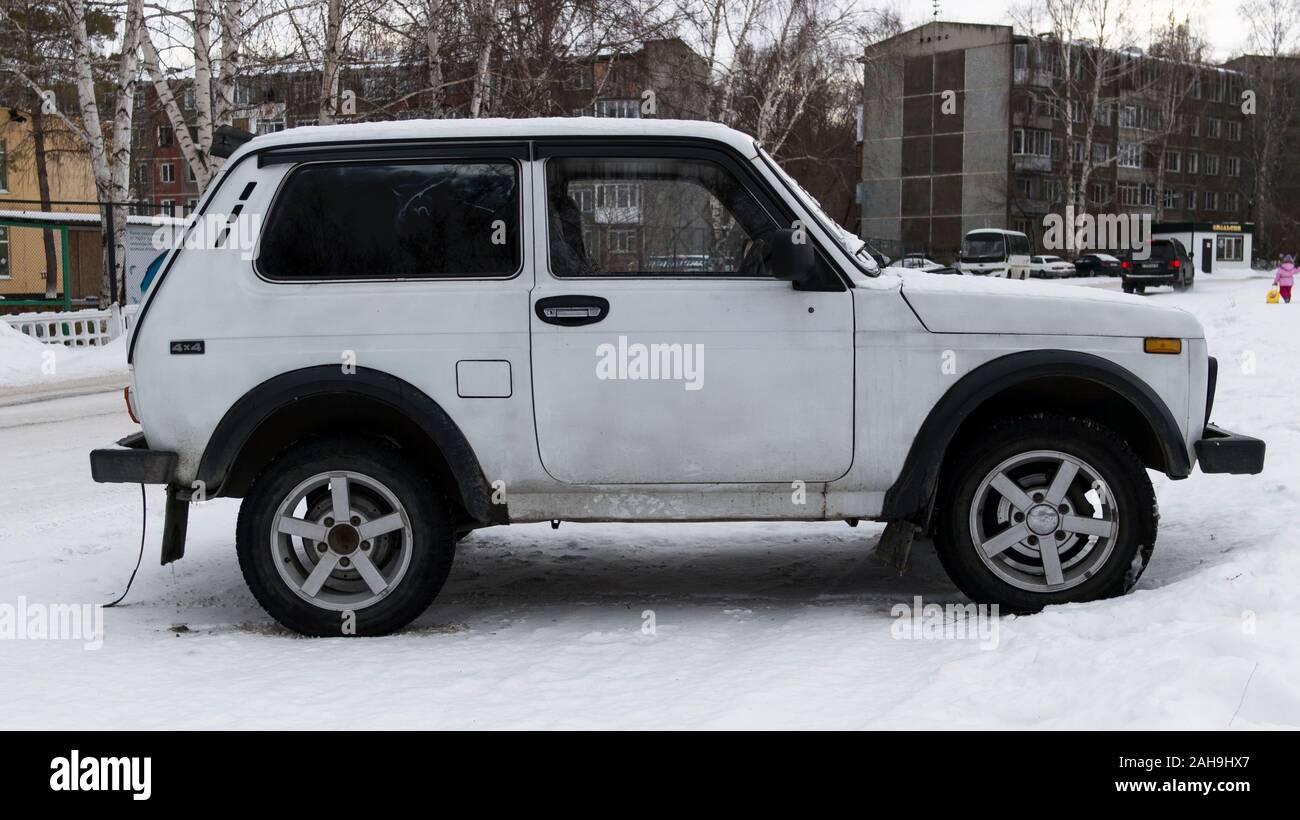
(371,220)
(652,217)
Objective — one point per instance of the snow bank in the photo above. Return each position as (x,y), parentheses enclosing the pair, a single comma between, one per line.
(25,362)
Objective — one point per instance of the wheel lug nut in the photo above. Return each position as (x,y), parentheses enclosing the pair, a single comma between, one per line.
(329,522)
(365,546)
(356,519)
(1063,509)
(1019,517)
(1033,540)
(345,563)
(320,547)
(1038,496)
(1060,535)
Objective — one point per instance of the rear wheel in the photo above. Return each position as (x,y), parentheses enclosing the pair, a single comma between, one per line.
(343,537)
(1046,510)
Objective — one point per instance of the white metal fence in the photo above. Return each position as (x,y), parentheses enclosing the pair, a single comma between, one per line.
(78,328)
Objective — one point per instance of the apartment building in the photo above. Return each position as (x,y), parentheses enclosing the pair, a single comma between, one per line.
(964,127)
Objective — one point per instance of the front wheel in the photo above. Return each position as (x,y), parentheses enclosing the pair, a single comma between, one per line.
(343,537)
(1046,510)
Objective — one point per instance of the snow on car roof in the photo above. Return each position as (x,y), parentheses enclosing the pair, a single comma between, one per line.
(507,128)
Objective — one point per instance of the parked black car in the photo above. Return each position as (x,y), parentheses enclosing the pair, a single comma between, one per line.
(1168,264)
(1097,264)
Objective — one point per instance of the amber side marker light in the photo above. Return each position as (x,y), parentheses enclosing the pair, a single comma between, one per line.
(1155,345)
(126,396)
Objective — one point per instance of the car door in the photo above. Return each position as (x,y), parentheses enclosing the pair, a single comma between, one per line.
(664,350)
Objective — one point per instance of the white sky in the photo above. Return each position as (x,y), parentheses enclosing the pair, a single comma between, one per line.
(1217,21)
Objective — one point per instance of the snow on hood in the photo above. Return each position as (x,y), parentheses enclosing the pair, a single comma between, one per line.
(978,304)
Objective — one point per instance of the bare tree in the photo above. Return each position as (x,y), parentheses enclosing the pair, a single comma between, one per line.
(1174,73)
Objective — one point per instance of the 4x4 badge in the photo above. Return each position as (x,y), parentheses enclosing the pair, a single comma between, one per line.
(189,346)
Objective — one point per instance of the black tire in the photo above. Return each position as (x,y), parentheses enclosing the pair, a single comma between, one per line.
(1103,451)
(432,546)
(1127,287)
(1140,288)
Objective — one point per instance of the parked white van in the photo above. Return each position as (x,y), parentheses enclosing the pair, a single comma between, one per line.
(412,330)
(995,252)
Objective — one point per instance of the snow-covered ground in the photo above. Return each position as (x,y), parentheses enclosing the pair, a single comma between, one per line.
(756,625)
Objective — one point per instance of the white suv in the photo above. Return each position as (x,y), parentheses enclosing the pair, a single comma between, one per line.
(405,331)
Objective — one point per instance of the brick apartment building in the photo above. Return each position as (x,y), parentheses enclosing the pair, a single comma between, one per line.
(607,85)
(963,129)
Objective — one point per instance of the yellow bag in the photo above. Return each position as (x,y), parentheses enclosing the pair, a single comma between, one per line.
(1273,295)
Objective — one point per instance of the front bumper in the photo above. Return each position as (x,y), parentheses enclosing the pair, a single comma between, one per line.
(132,462)
(1221,451)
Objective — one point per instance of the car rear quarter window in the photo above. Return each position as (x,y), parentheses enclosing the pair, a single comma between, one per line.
(371,220)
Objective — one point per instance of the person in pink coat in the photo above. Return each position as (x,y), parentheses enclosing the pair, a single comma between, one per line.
(1284,278)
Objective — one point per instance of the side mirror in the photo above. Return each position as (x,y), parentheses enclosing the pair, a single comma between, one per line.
(791,261)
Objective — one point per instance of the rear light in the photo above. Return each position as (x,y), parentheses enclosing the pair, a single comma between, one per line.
(1124,264)
(1174,263)
(130,411)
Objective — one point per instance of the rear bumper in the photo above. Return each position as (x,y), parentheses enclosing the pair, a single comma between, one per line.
(1221,451)
(132,462)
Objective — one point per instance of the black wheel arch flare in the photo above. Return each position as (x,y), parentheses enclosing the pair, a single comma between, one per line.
(912,494)
(242,420)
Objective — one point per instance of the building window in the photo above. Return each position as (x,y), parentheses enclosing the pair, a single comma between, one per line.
(4,253)
(1193,162)
(1228,248)
(1102,114)
(1129,195)
(622,240)
(623,109)
(1196,126)
(1234,131)
(1100,153)
(189,173)
(1052,190)
(580,79)
(165,136)
(301,121)
(168,206)
(269,126)
(4,169)
(1173,161)
(142,173)
(1232,201)
(1216,129)
(1128,116)
(1148,196)
(1171,198)
(1076,152)
(1098,193)
(1189,200)
(1210,200)
(1021,56)
(1130,155)
(1234,166)
(1212,164)
(1196,86)
(167,172)
(1034,142)
(1056,148)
